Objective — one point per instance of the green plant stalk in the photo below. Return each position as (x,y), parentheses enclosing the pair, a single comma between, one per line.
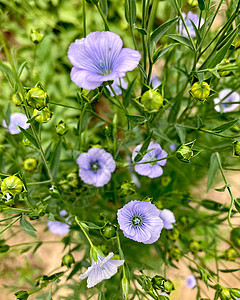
(147,162)
(8,218)
(83,231)
(229,190)
(81,126)
(10,59)
(143,36)
(84,18)
(121,253)
(10,224)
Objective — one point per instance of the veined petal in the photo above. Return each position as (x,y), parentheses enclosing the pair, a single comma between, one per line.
(127,60)
(82,78)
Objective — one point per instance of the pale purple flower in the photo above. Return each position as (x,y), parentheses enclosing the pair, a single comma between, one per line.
(152,169)
(172,147)
(140,221)
(58,227)
(195,20)
(100,57)
(222,105)
(117,84)
(168,218)
(16,119)
(155,81)
(96,166)
(191,281)
(104,268)
(164,294)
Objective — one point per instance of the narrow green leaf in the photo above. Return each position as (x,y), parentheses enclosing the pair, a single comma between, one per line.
(8,71)
(181,131)
(160,52)
(129,90)
(143,149)
(212,170)
(225,126)
(201,4)
(182,40)
(142,31)
(27,226)
(8,114)
(29,136)
(161,30)
(143,72)
(56,158)
(229,270)
(21,68)
(104,6)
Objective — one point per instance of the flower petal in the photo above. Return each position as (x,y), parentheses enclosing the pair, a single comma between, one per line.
(127,60)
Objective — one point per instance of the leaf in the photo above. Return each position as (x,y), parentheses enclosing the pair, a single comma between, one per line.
(130,11)
(8,71)
(8,114)
(142,31)
(229,270)
(143,149)
(104,6)
(201,4)
(182,40)
(91,225)
(129,90)
(27,226)
(29,136)
(222,189)
(136,119)
(181,131)
(214,166)
(143,72)
(161,30)
(56,159)
(4,248)
(225,126)
(160,52)
(21,68)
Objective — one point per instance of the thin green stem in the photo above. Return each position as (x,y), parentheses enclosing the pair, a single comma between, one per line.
(83,230)
(10,224)
(148,162)
(8,218)
(84,18)
(102,16)
(81,126)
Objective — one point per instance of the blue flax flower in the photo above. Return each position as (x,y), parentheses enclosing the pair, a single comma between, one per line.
(104,268)
(57,227)
(16,119)
(96,166)
(188,18)
(152,169)
(191,281)
(168,218)
(100,57)
(140,221)
(222,103)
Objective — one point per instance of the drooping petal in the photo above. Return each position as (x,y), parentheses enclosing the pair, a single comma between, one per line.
(168,218)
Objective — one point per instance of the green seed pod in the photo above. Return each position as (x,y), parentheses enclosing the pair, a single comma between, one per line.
(125,287)
(109,231)
(236,148)
(61,128)
(184,153)
(36,36)
(68,260)
(12,185)
(175,254)
(43,116)
(30,164)
(195,247)
(168,286)
(72,179)
(173,234)
(200,90)
(16,99)
(158,282)
(225,294)
(152,101)
(37,98)
(193,3)
(21,295)
(231,254)
(4,248)
(235,237)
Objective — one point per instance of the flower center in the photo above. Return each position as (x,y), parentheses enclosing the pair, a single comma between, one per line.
(152,161)
(95,166)
(136,221)
(104,69)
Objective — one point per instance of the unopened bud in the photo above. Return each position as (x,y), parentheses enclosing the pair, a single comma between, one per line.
(158,282)
(109,231)
(235,237)
(68,260)
(42,116)
(21,295)
(72,179)
(37,98)
(30,164)
(12,185)
(200,90)
(225,294)
(36,36)
(193,3)
(125,287)
(152,101)
(236,148)
(195,247)
(16,99)
(173,234)
(231,254)
(61,128)
(26,142)
(174,254)
(42,281)
(184,153)
(168,286)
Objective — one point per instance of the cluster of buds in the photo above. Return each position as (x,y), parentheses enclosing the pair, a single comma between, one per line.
(195,247)
(185,152)
(38,99)
(152,101)
(200,91)
(173,234)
